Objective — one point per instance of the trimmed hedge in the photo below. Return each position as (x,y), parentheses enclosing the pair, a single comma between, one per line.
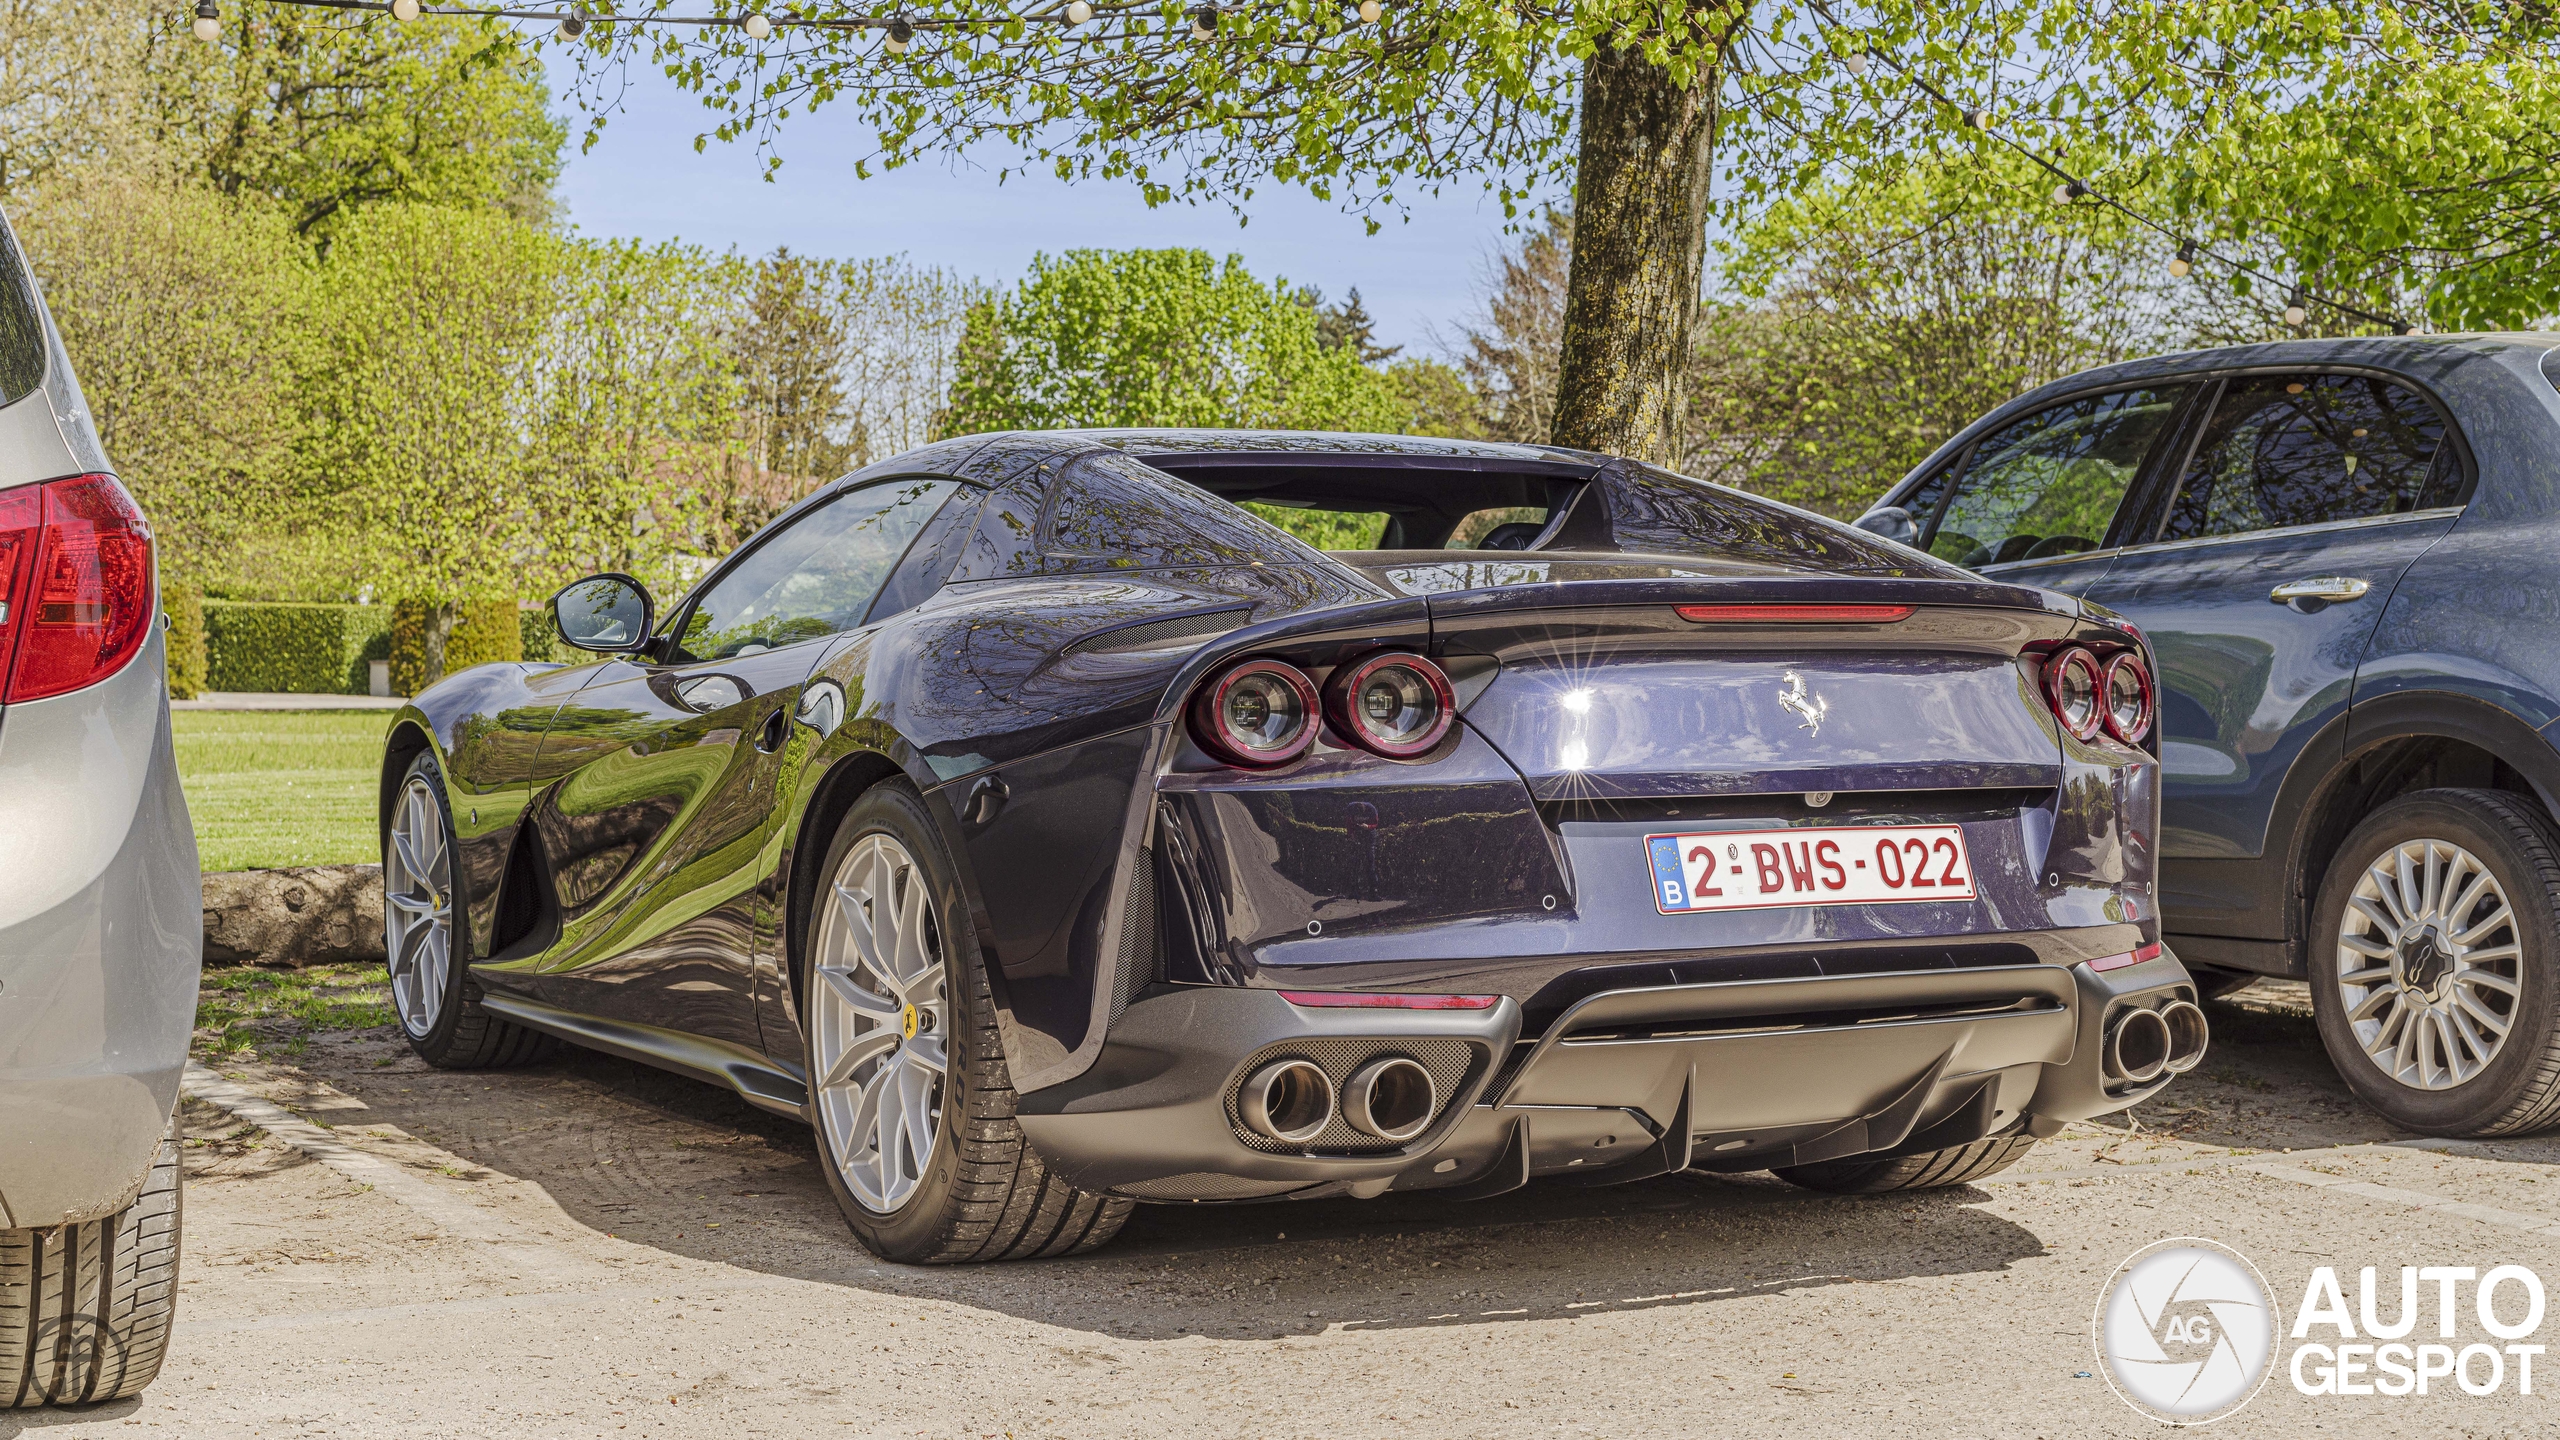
(483,630)
(541,638)
(300,649)
(184,605)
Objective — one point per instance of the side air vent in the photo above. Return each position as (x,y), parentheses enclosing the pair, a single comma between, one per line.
(1186,631)
(1137,959)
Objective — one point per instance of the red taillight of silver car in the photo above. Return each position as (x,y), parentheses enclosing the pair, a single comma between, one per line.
(1398,705)
(75,584)
(1260,714)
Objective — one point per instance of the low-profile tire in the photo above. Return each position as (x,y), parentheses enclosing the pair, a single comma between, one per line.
(85,1308)
(896,1010)
(432,992)
(2473,993)
(1955,1165)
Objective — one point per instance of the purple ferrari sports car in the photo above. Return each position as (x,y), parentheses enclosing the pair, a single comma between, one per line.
(1055,832)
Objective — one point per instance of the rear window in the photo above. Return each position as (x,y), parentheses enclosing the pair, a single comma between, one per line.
(1655,511)
(1113,512)
(21,328)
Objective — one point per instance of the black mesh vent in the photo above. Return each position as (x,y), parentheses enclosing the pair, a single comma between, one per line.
(1160,632)
(1451,1063)
(1209,1187)
(1137,937)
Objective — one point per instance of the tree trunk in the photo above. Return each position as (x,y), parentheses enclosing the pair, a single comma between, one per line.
(1639,255)
(439,630)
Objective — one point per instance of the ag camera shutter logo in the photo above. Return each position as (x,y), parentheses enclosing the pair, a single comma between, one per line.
(2185,1331)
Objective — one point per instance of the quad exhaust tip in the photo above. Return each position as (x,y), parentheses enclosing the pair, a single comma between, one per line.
(2188,1035)
(1289,1100)
(1391,1097)
(2138,1048)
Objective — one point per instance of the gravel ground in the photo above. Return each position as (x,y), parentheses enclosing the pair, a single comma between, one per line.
(593,1248)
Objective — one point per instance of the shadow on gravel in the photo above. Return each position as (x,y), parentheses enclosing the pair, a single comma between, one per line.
(668,1163)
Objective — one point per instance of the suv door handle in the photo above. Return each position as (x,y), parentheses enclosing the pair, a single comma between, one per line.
(2329,589)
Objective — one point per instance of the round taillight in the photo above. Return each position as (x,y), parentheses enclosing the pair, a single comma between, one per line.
(2072,687)
(1397,705)
(1259,713)
(2129,701)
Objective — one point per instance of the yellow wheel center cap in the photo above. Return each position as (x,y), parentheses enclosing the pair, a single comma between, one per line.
(907,1022)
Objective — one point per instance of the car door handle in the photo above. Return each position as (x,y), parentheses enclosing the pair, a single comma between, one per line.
(2331,589)
(776,729)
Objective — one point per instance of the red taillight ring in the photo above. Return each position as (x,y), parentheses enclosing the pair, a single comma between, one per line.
(1342,689)
(1208,709)
(2056,672)
(2131,734)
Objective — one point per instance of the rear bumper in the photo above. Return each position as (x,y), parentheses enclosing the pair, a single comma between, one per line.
(101,934)
(1626,1084)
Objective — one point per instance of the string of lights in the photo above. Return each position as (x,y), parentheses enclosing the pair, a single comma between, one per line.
(2072,188)
(900,30)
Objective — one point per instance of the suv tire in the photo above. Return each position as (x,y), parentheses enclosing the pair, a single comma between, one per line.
(85,1308)
(981,1192)
(458,1033)
(2467,980)
(1929,1170)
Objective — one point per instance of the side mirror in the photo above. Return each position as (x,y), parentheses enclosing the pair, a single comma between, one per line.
(1892,522)
(606,613)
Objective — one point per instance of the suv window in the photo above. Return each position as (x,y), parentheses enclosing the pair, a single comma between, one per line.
(817,576)
(2306,449)
(2049,483)
(21,328)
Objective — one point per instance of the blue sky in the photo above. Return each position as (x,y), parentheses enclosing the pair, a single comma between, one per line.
(644,180)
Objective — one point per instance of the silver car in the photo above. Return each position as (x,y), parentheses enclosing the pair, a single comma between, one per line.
(100,905)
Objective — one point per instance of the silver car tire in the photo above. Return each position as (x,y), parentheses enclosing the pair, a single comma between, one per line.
(85,1308)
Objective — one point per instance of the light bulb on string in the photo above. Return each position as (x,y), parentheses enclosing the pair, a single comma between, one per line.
(1856,60)
(901,35)
(2294,311)
(2185,261)
(404,11)
(572,26)
(1370,10)
(208,23)
(756,26)
(2069,190)
(1977,119)
(1079,12)
(1204,22)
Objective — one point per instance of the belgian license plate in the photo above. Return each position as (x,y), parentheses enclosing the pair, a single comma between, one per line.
(1835,865)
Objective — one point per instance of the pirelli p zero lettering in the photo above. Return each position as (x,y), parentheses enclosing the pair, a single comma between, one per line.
(1842,865)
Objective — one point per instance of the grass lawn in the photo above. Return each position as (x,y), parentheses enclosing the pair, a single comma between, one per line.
(246,1014)
(281,787)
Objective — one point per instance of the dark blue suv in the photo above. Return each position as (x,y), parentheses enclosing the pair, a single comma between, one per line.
(2344,553)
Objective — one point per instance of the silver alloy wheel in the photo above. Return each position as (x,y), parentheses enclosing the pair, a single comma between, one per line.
(2429,964)
(878,1023)
(417,907)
